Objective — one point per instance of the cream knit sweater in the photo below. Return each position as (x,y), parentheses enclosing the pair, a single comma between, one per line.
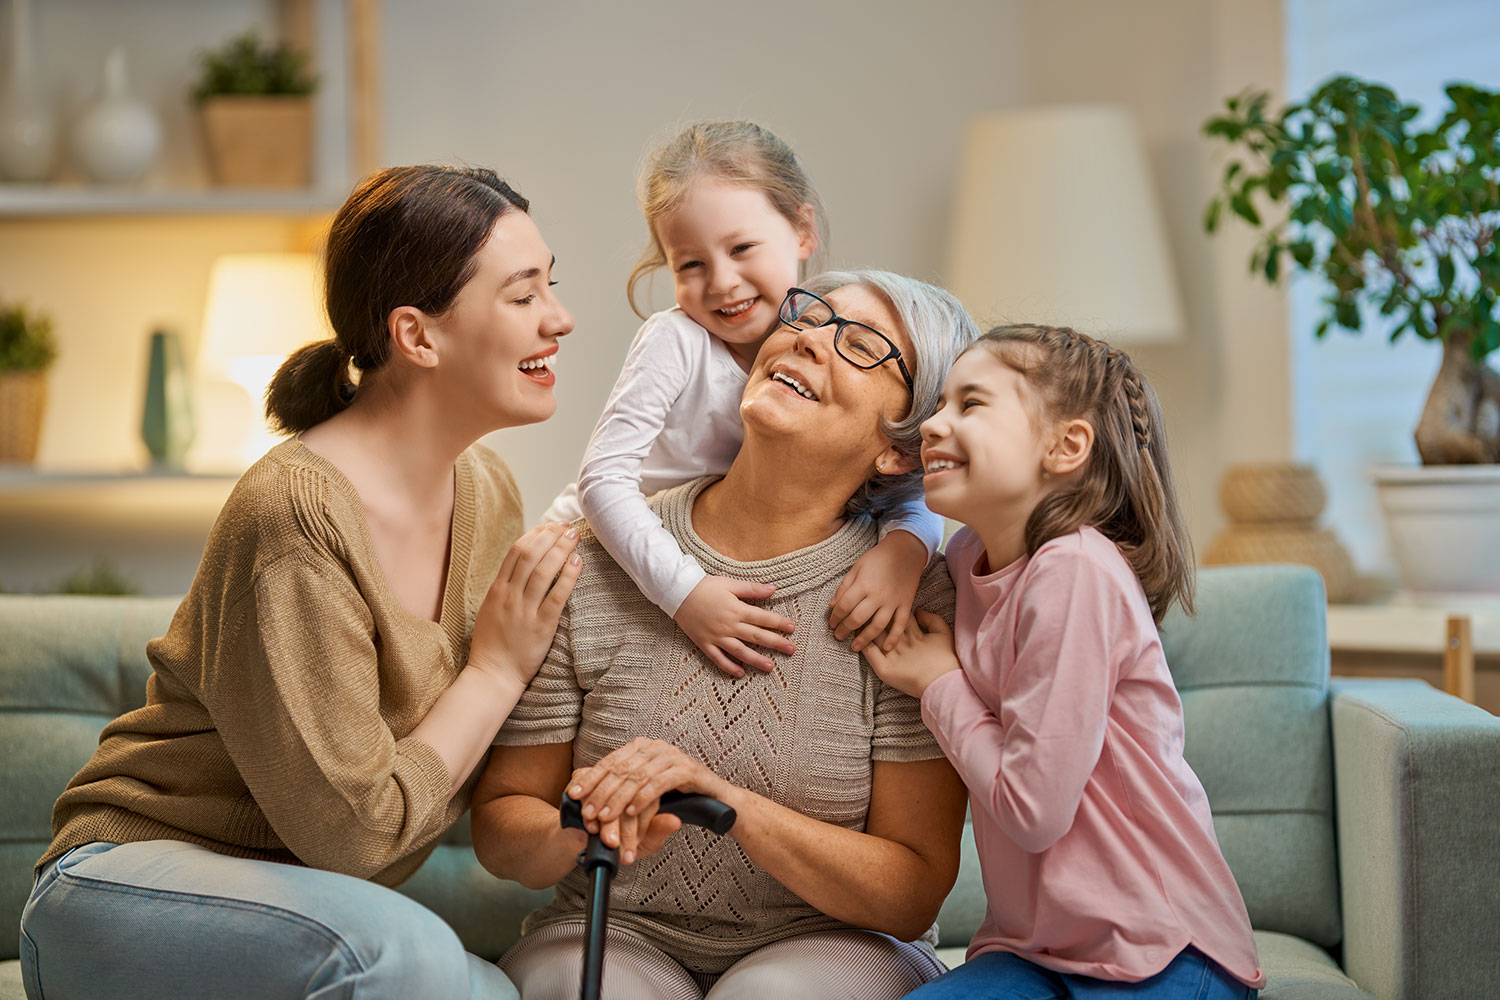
(805,735)
(277,716)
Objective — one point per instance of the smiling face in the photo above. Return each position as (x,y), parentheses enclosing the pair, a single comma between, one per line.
(983,450)
(732,257)
(497,343)
(801,390)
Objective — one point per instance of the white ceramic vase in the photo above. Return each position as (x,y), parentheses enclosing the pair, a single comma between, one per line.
(28,128)
(1444,526)
(118,137)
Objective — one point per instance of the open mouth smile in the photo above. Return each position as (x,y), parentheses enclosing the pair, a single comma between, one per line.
(934,466)
(796,386)
(540,368)
(738,309)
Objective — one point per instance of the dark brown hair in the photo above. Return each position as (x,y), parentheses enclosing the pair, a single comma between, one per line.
(406,237)
(1125,491)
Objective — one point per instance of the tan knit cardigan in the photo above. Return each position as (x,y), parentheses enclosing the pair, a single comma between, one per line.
(277,716)
(806,734)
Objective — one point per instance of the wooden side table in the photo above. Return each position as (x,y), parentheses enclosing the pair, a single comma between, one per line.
(1458,631)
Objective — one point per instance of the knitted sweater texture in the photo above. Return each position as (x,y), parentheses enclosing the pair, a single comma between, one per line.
(278,714)
(805,735)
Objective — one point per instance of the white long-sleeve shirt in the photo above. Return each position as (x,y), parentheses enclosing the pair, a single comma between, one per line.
(673,415)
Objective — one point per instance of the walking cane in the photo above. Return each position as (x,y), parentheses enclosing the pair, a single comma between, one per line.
(601,862)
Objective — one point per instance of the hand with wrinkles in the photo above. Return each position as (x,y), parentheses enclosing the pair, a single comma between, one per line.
(622,793)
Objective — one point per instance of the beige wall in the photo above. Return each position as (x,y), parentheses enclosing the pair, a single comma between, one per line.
(1225,387)
(563,98)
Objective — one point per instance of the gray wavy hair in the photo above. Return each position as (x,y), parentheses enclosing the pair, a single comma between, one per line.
(940,330)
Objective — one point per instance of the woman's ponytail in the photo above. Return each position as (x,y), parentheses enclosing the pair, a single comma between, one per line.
(310,386)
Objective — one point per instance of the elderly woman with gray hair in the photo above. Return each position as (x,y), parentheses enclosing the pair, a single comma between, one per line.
(849,817)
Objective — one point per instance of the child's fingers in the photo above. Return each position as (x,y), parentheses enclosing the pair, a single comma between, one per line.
(718,658)
(746,655)
(931,622)
(844,604)
(750,590)
(899,621)
(877,623)
(857,617)
(750,635)
(765,618)
(877,658)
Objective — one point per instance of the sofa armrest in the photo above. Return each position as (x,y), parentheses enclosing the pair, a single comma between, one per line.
(1417,786)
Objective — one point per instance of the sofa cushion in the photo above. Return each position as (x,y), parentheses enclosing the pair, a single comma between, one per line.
(67,666)
(1299,970)
(1252,668)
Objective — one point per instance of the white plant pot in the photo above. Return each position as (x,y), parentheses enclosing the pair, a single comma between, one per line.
(1444,526)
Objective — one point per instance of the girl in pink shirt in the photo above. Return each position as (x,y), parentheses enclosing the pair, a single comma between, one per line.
(1051,695)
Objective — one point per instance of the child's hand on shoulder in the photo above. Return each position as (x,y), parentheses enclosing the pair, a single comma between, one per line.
(715,616)
(923,652)
(876,594)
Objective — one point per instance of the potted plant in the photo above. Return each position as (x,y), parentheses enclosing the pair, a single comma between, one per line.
(255,100)
(1399,217)
(26,351)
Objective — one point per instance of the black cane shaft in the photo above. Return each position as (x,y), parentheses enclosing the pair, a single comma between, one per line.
(593,934)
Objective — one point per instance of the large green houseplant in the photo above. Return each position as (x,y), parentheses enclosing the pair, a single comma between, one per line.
(1399,215)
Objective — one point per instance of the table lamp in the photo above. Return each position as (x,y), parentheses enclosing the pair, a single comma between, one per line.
(1055,221)
(261,307)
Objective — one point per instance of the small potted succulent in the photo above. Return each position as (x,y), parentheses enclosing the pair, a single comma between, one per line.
(1398,213)
(255,100)
(27,350)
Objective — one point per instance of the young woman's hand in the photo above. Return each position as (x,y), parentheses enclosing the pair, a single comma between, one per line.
(717,619)
(877,593)
(513,628)
(923,653)
(621,794)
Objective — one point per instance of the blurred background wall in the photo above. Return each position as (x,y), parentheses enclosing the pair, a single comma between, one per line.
(563,99)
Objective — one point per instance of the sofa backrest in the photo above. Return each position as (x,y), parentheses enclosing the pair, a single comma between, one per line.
(1252,669)
(68,665)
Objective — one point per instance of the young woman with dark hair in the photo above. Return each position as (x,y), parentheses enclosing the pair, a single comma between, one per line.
(365,617)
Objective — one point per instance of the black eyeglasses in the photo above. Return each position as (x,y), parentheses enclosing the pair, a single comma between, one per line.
(862,346)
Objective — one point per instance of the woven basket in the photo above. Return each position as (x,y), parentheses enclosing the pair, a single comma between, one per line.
(1306,546)
(1272,492)
(23,395)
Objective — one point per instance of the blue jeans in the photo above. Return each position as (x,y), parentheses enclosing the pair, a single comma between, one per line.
(164,918)
(999,975)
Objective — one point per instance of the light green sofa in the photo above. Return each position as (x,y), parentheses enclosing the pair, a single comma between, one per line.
(1361,821)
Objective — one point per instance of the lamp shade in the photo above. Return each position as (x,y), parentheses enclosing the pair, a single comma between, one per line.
(1056,221)
(261,307)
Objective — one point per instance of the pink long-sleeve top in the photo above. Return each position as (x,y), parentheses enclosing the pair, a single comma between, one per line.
(1094,835)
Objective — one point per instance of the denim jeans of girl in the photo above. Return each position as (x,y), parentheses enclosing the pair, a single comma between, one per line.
(999,975)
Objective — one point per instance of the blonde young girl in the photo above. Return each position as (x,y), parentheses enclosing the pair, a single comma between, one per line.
(734,218)
(1100,863)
